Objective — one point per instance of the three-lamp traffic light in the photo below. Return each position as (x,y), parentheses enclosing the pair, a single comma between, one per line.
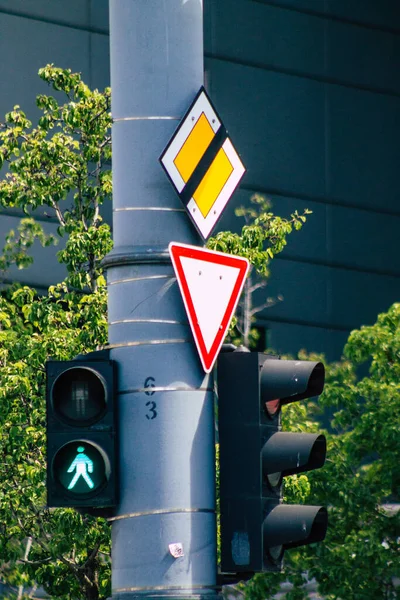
(81,432)
(255,455)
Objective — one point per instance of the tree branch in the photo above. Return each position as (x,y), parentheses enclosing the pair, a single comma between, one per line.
(256,286)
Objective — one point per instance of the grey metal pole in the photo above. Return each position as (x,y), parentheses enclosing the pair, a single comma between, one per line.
(163,531)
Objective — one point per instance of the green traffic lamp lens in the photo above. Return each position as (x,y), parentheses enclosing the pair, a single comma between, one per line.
(80,467)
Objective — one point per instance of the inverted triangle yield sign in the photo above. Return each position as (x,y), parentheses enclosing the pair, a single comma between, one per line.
(210,284)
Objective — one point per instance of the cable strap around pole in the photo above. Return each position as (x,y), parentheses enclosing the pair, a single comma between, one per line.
(154,321)
(147,118)
(166,511)
(142,278)
(175,588)
(157,208)
(154,389)
(145,343)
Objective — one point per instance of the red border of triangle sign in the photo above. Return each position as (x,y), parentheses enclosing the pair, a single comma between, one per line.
(210,283)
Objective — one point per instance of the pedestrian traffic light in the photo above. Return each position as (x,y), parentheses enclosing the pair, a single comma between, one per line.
(81,432)
(255,456)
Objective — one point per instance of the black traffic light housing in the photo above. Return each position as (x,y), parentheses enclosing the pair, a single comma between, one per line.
(81,432)
(255,455)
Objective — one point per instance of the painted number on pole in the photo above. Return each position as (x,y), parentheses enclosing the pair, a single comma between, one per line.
(149,384)
(152,410)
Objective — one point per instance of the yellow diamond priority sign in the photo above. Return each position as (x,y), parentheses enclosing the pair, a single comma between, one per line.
(202,164)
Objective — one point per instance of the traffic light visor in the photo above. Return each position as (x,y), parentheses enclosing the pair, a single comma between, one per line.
(291,380)
(287,453)
(293,525)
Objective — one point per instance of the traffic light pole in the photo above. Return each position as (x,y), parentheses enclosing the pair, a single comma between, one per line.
(163,530)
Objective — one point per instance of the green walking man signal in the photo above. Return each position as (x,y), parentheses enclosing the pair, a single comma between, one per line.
(81,432)
(81,465)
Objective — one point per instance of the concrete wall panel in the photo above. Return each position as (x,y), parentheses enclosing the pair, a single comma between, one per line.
(359,56)
(260,34)
(317,6)
(77,15)
(363,153)
(327,296)
(277,125)
(382,14)
(99,14)
(364,240)
(99,61)
(46,43)
(289,338)
(378,14)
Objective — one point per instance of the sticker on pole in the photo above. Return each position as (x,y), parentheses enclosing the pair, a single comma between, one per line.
(210,283)
(202,164)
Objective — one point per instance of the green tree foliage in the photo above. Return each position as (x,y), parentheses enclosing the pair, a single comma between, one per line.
(62,166)
(361,481)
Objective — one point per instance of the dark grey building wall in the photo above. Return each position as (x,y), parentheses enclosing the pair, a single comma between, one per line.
(310,92)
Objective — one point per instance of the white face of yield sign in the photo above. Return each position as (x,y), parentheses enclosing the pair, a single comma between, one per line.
(210,283)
